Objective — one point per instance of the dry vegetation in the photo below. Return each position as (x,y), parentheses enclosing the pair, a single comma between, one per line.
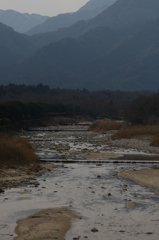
(134,131)
(104,125)
(53,121)
(128,132)
(155,141)
(139,131)
(16,152)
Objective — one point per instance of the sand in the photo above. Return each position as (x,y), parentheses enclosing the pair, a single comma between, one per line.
(147,177)
(45,225)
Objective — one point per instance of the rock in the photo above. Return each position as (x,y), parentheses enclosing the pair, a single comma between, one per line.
(1,190)
(94,230)
(109,194)
(155,166)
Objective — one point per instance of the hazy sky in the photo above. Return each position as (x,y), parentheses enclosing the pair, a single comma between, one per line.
(43,7)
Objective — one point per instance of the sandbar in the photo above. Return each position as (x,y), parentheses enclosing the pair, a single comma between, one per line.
(146,177)
(45,225)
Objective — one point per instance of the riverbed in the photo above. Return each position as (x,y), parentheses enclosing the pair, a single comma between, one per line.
(111,207)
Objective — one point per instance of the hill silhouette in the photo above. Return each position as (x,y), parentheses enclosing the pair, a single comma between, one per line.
(20,22)
(127,16)
(118,49)
(14,46)
(88,11)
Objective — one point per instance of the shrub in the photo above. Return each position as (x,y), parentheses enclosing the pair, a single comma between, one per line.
(5,121)
(133,131)
(138,111)
(60,121)
(155,141)
(35,167)
(143,110)
(104,125)
(16,152)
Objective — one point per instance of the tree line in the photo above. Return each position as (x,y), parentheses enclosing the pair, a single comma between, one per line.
(22,102)
(143,110)
(97,104)
(15,112)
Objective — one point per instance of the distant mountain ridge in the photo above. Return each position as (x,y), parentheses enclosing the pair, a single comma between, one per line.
(126,16)
(90,10)
(118,49)
(128,13)
(21,22)
(94,4)
(14,46)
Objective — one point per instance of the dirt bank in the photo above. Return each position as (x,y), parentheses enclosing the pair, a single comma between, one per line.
(46,224)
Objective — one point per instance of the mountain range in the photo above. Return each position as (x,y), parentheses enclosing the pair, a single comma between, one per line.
(14,46)
(88,11)
(117,49)
(21,22)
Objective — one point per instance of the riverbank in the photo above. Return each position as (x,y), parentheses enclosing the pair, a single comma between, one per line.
(71,142)
(23,175)
(74,145)
(139,144)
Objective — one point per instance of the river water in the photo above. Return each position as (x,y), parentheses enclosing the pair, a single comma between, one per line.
(116,207)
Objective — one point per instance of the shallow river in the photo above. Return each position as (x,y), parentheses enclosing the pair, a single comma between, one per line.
(103,203)
(118,208)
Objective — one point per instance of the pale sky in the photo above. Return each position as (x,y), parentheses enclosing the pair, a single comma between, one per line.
(43,7)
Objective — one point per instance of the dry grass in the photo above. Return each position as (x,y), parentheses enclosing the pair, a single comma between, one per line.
(16,152)
(54,121)
(63,120)
(104,125)
(155,141)
(136,131)
(34,167)
(82,119)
